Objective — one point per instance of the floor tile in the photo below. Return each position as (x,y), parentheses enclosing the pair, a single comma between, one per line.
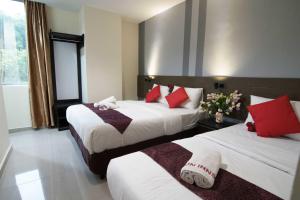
(47,164)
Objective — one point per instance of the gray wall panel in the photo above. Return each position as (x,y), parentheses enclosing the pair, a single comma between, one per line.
(164,40)
(187,37)
(253,38)
(142,48)
(193,39)
(239,38)
(201,37)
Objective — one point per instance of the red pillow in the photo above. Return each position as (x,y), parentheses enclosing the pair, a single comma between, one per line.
(275,118)
(153,95)
(176,98)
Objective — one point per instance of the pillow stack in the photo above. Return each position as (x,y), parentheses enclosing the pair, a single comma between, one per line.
(181,97)
(157,94)
(195,96)
(164,91)
(275,118)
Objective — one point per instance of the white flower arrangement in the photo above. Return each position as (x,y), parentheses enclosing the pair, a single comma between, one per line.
(222,103)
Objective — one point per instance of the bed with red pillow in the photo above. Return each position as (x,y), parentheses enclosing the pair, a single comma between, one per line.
(267,165)
(274,117)
(134,125)
(262,156)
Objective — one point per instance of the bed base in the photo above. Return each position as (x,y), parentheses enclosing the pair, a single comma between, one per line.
(98,162)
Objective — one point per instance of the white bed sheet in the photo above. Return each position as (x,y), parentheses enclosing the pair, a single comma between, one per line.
(150,120)
(137,177)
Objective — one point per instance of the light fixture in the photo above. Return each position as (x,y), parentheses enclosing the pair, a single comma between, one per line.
(149,78)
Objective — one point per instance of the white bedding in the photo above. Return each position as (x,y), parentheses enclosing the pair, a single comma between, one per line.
(150,120)
(267,163)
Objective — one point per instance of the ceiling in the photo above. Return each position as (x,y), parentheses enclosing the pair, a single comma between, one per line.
(136,10)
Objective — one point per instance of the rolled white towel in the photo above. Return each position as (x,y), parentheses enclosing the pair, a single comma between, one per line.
(202,168)
(187,176)
(111,99)
(107,106)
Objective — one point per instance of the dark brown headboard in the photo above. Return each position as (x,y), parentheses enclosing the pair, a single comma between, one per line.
(265,87)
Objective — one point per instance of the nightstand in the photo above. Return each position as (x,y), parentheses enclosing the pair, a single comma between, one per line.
(60,114)
(210,124)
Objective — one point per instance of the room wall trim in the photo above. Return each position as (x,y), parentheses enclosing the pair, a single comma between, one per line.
(141,52)
(187,37)
(201,37)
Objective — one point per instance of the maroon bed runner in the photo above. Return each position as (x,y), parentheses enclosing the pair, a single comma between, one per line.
(112,117)
(227,186)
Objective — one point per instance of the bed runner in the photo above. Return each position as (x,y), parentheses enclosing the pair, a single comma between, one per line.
(112,117)
(172,157)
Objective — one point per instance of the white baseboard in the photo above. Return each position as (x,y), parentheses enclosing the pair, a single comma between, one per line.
(5,158)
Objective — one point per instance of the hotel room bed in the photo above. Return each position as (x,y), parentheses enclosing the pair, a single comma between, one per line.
(152,123)
(269,163)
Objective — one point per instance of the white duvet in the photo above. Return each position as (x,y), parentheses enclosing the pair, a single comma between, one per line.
(269,163)
(150,120)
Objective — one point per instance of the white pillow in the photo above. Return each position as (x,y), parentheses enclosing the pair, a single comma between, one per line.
(164,91)
(195,96)
(255,100)
(295,104)
(295,136)
(296,107)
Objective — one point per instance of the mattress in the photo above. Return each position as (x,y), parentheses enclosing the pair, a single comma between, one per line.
(150,120)
(269,163)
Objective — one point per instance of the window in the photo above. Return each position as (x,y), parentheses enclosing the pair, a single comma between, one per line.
(13,52)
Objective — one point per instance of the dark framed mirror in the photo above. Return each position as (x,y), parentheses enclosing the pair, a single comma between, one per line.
(66,73)
(66,66)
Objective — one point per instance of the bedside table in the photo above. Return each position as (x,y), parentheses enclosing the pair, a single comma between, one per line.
(60,114)
(210,124)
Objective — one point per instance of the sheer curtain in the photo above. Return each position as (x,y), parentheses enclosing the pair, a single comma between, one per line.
(40,80)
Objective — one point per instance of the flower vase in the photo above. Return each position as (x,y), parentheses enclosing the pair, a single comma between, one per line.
(219,117)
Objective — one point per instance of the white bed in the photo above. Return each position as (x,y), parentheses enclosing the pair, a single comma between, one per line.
(269,163)
(150,120)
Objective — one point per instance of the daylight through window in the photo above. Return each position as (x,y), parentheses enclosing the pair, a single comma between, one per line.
(13,52)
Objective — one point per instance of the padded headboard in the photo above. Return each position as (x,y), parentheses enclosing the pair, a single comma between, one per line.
(265,87)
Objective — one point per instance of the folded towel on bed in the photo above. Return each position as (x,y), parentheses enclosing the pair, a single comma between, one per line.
(111,99)
(107,106)
(202,169)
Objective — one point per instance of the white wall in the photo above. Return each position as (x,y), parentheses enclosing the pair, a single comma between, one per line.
(83,58)
(130,59)
(109,59)
(103,54)
(83,75)
(63,21)
(16,99)
(4,143)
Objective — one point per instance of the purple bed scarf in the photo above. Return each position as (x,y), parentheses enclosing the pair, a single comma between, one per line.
(112,117)
(172,157)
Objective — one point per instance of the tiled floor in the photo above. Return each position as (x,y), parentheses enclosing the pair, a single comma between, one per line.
(47,164)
